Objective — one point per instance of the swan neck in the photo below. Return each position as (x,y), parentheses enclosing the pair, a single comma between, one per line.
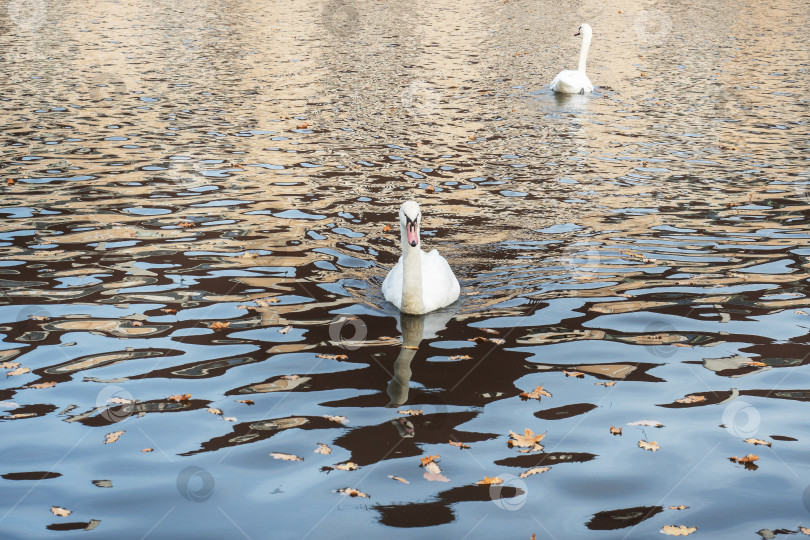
(412,301)
(583,52)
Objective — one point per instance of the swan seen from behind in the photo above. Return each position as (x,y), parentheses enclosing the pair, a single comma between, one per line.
(575,81)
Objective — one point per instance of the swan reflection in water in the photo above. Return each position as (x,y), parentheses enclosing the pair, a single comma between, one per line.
(414,329)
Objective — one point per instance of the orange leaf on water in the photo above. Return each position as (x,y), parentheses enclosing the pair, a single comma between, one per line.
(112,437)
(219,325)
(351,492)
(691,399)
(757,441)
(651,446)
(428,459)
(148,450)
(576,374)
(460,444)
(615,430)
(18,371)
(59,511)
(534,470)
(487,481)
(608,383)
(177,398)
(537,393)
(386,229)
(323,449)
(245,401)
(677,530)
(49,384)
(348,466)
(750,458)
(215,411)
(332,356)
(411,412)
(528,440)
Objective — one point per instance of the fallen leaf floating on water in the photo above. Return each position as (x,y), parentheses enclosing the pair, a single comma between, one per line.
(534,470)
(332,356)
(460,357)
(411,412)
(286,457)
(487,481)
(9,365)
(215,411)
(412,347)
(496,341)
(801,312)
(651,423)
(528,440)
(681,507)
(678,530)
(691,399)
(121,401)
(537,393)
(651,446)
(430,189)
(10,181)
(229,418)
(750,458)
(348,466)
(303,126)
(460,445)
(575,374)
(145,450)
(264,302)
(285,329)
(615,430)
(351,492)
(757,441)
(49,384)
(428,460)
(338,419)
(323,449)
(386,229)
(219,325)
(804,530)
(608,383)
(170,311)
(755,363)
(185,224)
(179,397)
(59,511)
(18,371)
(22,415)
(112,437)
(398,479)
(245,401)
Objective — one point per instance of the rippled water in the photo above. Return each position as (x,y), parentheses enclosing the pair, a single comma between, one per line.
(168,166)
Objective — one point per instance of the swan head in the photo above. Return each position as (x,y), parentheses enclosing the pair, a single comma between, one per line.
(585,31)
(409,221)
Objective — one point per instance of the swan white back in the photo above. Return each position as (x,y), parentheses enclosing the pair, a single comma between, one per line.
(420,282)
(575,81)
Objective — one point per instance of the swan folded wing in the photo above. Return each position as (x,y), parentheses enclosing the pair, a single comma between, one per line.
(571,81)
(440,287)
(392,285)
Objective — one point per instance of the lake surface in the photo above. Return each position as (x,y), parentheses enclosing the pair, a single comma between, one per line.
(196,206)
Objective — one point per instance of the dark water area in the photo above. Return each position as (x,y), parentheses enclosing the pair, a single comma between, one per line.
(194,232)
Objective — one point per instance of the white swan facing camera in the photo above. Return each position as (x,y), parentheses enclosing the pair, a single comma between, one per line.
(575,81)
(420,282)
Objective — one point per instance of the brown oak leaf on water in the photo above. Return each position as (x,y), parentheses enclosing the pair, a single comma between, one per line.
(348,466)
(528,440)
(245,401)
(427,460)
(680,507)
(678,530)
(351,492)
(177,398)
(691,399)
(332,356)
(651,446)
(537,393)
(750,458)
(459,444)
(148,450)
(217,325)
(487,481)
(112,437)
(323,449)
(229,418)
(338,419)
(804,530)
(398,479)
(411,412)
(757,441)
(534,470)
(575,374)
(615,430)
(286,457)
(59,511)
(215,411)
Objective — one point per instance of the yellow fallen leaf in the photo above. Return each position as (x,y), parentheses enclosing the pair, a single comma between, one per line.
(18,371)
(351,492)
(286,457)
(534,470)
(177,398)
(49,384)
(757,441)
(59,511)
(651,446)
(245,401)
(528,440)
(678,530)
(615,430)
(691,399)
(459,444)
(681,507)
(428,459)
(537,393)
(348,466)
(487,481)
(112,437)
(217,325)
(323,449)
(750,458)
(398,479)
